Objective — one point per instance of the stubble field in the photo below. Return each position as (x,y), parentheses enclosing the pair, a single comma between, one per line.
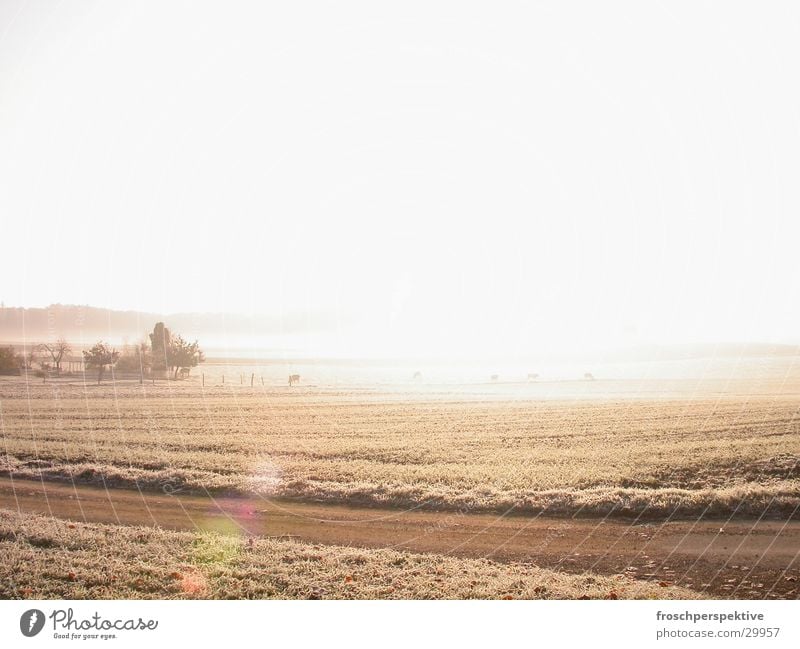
(287,470)
(690,456)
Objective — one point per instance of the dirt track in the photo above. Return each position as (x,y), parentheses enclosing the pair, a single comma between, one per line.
(743,559)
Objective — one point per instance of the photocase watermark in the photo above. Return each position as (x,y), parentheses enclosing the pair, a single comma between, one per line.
(746,624)
(31,622)
(67,626)
(730,616)
(170,488)
(450,520)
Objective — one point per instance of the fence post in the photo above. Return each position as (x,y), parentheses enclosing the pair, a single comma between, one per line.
(204,379)
(252,376)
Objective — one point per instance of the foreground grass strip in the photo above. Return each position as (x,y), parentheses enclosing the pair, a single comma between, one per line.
(49,558)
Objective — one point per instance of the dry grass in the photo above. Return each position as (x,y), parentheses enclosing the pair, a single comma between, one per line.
(46,558)
(681,457)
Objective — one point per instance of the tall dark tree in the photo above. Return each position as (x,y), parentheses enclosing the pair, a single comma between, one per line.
(159,344)
(100,356)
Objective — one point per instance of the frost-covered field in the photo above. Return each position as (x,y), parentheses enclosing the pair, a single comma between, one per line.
(670,449)
(48,558)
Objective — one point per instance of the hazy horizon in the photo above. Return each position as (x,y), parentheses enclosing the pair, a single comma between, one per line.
(498,192)
(243,336)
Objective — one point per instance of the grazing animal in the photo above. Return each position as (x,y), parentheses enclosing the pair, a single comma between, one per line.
(184,372)
(589,376)
(495,377)
(532,377)
(294,378)
(417,376)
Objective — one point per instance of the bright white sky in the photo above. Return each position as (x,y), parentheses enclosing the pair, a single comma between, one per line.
(460,176)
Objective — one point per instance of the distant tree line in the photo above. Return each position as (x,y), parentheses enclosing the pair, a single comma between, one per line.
(166,352)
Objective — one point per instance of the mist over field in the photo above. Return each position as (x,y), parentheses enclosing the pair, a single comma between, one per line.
(274,346)
(399,300)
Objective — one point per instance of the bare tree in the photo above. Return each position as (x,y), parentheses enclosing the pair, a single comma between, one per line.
(57,351)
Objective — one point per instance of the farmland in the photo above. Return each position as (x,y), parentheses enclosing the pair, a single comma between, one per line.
(563,490)
(684,457)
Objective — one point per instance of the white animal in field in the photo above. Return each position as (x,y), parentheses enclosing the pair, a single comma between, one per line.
(532,377)
(294,378)
(588,376)
(417,376)
(494,377)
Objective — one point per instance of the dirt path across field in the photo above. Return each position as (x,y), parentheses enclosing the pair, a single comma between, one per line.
(742,559)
